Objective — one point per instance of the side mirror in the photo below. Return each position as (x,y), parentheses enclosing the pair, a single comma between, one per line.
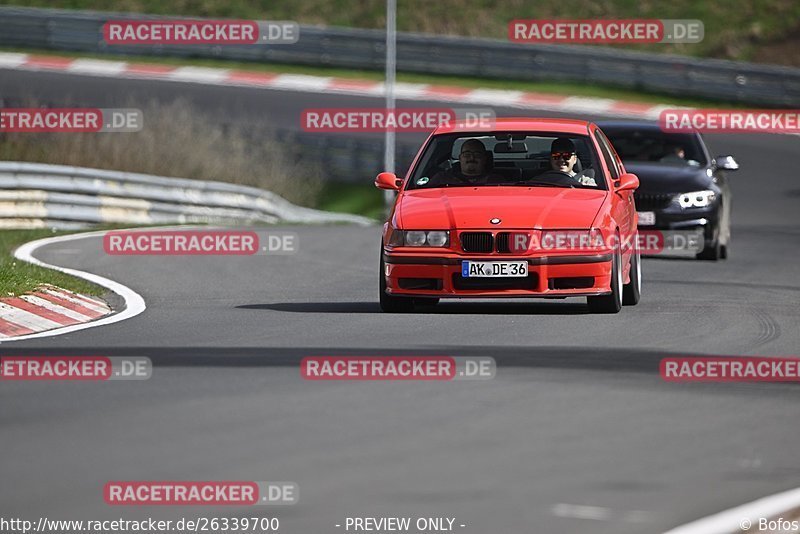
(627,182)
(388,180)
(726,163)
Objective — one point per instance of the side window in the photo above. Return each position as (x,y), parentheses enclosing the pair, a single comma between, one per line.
(614,154)
(608,155)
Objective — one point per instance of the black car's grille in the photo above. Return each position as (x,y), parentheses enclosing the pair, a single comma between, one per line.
(487,284)
(652,201)
(420,283)
(573,282)
(477,241)
(502,242)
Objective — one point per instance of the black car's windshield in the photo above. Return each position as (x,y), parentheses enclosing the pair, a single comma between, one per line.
(655,146)
(508,159)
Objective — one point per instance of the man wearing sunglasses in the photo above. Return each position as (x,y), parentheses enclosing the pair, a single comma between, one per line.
(563,158)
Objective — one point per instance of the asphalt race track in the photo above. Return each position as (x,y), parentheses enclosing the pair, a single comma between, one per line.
(577,433)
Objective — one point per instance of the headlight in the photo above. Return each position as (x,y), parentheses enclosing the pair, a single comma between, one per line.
(415,238)
(438,238)
(696,199)
(420,238)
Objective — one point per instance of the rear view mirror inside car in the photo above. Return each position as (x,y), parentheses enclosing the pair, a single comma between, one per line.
(513,147)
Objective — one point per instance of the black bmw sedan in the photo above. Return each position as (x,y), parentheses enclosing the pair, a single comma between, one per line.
(681,187)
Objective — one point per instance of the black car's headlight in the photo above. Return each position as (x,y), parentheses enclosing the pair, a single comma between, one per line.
(696,199)
(420,238)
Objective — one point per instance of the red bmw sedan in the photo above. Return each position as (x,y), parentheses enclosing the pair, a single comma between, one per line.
(526,208)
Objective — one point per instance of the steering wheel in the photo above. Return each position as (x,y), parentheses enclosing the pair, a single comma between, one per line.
(557,178)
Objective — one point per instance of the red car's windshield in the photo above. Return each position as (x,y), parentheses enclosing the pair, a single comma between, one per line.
(653,146)
(508,159)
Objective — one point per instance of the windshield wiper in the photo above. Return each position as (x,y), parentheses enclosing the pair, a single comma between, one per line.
(544,184)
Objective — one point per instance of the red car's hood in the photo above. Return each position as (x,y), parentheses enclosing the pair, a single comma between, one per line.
(516,207)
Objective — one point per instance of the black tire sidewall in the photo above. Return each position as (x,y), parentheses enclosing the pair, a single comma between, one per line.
(631,292)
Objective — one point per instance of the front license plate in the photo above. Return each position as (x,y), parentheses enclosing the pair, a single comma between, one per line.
(494,269)
(647,218)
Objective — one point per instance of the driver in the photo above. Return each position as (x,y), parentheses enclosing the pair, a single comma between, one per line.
(563,158)
(473,169)
(674,154)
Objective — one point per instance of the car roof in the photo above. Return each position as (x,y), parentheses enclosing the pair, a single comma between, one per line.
(523,124)
(641,126)
(632,124)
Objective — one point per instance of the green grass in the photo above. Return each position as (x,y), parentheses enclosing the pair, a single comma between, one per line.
(19,277)
(734,29)
(360,199)
(558,88)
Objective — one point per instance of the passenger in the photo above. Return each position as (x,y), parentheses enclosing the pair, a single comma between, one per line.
(563,157)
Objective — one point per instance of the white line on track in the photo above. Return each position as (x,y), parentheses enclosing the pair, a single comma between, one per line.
(8,60)
(577,511)
(731,521)
(302,82)
(97,66)
(600,513)
(199,75)
(134,303)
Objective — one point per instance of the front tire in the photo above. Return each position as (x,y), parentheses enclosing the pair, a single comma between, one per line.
(632,291)
(611,303)
(712,253)
(390,304)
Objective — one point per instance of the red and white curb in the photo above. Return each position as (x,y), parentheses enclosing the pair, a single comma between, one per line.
(52,311)
(47,308)
(328,84)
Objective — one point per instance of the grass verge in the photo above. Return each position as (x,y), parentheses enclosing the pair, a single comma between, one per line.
(183,141)
(360,199)
(19,277)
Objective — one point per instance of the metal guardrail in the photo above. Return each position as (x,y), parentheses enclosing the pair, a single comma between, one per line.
(345,158)
(39,195)
(364,49)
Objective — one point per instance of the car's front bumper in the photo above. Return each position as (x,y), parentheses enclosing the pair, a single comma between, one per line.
(427,275)
(675,219)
